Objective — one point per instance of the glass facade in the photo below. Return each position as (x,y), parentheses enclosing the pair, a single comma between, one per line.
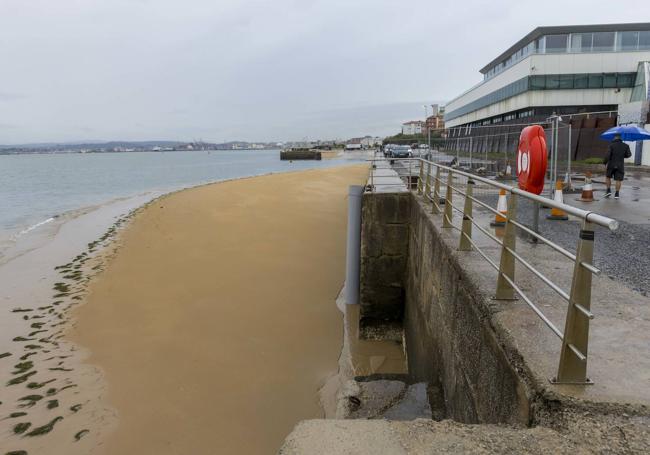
(548,82)
(641,90)
(576,43)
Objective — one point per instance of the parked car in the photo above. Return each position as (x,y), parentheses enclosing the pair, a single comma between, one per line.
(401,151)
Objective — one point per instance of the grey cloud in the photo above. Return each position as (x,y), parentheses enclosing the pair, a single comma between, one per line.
(250,69)
(11,96)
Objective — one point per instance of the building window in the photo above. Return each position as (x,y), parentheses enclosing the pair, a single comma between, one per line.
(581,81)
(556,43)
(552,81)
(628,41)
(625,80)
(566,81)
(644,40)
(537,82)
(609,80)
(595,81)
(603,41)
(581,42)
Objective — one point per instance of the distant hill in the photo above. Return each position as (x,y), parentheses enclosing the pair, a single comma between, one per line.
(93,144)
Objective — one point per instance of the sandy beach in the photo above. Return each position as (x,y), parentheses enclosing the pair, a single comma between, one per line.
(215,323)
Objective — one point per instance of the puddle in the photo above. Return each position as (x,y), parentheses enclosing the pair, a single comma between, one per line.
(360,358)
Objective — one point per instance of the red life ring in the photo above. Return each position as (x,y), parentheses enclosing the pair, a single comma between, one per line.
(532,159)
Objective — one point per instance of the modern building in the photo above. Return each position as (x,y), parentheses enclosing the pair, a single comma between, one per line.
(592,76)
(413,127)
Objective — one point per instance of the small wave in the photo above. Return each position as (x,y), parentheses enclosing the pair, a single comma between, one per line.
(34,226)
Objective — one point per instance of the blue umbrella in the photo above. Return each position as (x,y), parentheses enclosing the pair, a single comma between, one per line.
(627,132)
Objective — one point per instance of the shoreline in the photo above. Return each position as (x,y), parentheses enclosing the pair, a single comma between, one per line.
(15,234)
(84,353)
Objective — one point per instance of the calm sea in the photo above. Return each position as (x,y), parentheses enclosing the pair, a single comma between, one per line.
(36,188)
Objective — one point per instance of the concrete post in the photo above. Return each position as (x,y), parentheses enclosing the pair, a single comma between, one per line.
(353,253)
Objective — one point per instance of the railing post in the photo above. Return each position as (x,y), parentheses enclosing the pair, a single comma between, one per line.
(421,178)
(466,233)
(573,357)
(447,217)
(427,187)
(436,193)
(505,291)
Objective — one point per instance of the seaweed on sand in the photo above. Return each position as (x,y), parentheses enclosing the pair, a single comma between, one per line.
(38,385)
(5,354)
(38,431)
(61,287)
(30,400)
(81,434)
(21,427)
(23,367)
(21,379)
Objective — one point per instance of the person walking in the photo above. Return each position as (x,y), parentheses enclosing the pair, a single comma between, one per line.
(615,161)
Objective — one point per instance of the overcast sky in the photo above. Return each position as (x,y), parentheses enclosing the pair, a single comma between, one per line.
(254,70)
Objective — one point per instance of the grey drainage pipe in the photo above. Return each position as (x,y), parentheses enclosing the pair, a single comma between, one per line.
(353,253)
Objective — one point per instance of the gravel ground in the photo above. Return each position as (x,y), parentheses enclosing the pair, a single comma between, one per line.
(623,255)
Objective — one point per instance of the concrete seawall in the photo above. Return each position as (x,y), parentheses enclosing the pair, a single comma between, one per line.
(411,278)
(451,342)
(482,361)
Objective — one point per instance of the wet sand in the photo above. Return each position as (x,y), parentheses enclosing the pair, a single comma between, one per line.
(215,322)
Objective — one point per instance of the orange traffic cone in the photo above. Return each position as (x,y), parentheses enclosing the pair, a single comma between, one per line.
(502,208)
(587,190)
(557,214)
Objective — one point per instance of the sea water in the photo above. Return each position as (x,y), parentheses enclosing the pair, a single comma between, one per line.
(36,189)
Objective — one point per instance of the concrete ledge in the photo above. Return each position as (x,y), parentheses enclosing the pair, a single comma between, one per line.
(361,437)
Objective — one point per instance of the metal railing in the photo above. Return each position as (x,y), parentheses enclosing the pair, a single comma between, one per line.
(432,177)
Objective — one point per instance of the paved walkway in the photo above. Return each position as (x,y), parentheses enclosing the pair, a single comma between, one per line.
(623,255)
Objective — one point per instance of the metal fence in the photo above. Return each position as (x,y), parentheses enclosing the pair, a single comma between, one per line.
(429,179)
(491,148)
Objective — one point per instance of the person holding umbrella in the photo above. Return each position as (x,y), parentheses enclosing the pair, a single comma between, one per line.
(615,161)
(618,151)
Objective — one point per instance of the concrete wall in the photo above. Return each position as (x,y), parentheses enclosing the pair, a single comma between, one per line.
(449,339)
(451,344)
(384,246)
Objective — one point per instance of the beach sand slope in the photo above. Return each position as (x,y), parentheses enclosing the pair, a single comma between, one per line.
(215,322)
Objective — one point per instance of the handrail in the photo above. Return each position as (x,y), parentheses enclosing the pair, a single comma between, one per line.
(592,217)
(573,358)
